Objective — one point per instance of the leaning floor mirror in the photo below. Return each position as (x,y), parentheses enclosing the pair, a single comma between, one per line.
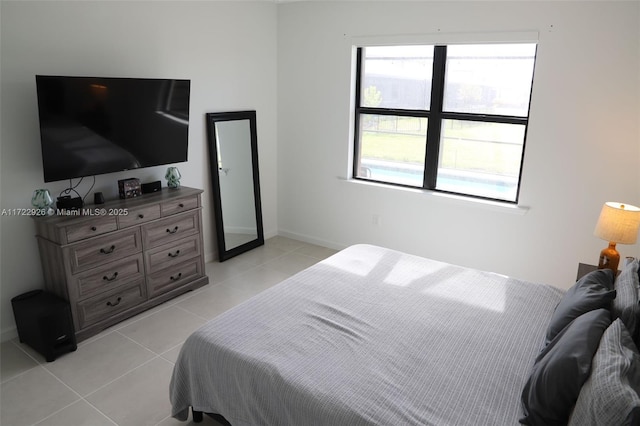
(233,153)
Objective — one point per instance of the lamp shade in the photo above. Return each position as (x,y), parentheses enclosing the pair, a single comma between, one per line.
(618,223)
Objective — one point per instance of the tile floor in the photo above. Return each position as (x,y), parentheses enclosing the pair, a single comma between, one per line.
(121,376)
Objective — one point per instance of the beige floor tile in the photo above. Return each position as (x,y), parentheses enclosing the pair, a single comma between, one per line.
(263,254)
(256,280)
(216,300)
(164,329)
(318,252)
(221,271)
(139,398)
(99,362)
(172,354)
(77,414)
(141,315)
(13,361)
(291,263)
(32,396)
(187,295)
(284,243)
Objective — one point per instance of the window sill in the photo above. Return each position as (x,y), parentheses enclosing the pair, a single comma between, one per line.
(497,206)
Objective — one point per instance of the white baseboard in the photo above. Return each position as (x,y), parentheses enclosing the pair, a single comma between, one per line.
(311,240)
(270,234)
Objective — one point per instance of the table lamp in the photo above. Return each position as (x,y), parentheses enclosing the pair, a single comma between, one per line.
(618,223)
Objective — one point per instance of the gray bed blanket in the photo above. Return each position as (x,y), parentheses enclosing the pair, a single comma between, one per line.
(369,336)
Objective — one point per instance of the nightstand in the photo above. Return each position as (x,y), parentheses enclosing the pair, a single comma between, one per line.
(585,268)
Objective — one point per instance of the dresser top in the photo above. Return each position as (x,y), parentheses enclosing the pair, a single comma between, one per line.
(117,206)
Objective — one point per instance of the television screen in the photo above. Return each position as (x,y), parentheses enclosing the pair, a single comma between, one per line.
(93,125)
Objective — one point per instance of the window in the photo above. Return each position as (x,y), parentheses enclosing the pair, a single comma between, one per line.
(445,118)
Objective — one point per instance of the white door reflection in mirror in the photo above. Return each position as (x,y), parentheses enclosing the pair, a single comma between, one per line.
(235,171)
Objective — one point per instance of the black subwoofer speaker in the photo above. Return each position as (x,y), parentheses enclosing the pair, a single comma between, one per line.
(44,322)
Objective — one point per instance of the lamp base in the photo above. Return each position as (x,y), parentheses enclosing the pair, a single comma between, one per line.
(609,258)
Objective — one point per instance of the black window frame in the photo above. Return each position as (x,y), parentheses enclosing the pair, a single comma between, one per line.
(435,116)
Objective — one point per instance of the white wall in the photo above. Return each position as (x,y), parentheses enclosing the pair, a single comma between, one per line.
(582,149)
(228,50)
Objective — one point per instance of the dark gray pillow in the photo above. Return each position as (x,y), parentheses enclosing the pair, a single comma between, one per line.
(561,369)
(625,306)
(610,395)
(593,291)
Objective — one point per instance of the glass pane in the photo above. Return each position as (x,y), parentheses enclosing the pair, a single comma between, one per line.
(392,149)
(397,77)
(479,158)
(489,79)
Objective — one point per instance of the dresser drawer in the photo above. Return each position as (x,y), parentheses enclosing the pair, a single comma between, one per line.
(178,206)
(173,277)
(139,216)
(172,254)
(171,229)
(97,251)
(91,228)
(101,307)
(109,276)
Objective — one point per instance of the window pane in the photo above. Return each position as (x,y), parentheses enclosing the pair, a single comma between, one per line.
(397,77)
(479,158)
(392,149)
(489,79)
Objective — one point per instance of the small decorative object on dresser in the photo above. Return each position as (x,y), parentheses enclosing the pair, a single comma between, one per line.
(42,201)
(127,256)
(129,188)
(173,177)
(98,198)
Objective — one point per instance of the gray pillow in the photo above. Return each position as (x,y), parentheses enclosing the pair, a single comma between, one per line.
(610,395)
(593,291)
(561,369)
(625,306)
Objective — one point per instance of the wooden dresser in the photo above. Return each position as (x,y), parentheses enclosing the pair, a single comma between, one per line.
(114,260)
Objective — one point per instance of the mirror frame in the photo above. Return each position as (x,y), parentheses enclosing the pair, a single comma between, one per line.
(212,119)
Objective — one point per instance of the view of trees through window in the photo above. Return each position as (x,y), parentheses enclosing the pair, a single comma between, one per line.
(474,97)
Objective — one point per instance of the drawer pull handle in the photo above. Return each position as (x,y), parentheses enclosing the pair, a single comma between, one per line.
(177,277)
(140,216)
(181,205)
(108,251)
(174,254)
(173,231)
(116,303)
(93,228)
(113,277)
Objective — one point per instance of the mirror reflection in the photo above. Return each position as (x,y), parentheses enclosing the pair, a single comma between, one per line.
(234,167)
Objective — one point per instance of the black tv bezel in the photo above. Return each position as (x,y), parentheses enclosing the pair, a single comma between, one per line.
(50,177)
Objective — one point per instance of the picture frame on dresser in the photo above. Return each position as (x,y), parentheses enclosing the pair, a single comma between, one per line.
(123,257)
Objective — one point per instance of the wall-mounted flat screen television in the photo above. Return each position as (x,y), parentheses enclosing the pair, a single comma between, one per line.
(94,125)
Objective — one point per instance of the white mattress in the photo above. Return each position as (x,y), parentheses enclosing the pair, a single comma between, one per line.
(369,336)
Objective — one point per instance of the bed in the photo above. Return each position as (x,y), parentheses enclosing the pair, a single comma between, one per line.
(371,336)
